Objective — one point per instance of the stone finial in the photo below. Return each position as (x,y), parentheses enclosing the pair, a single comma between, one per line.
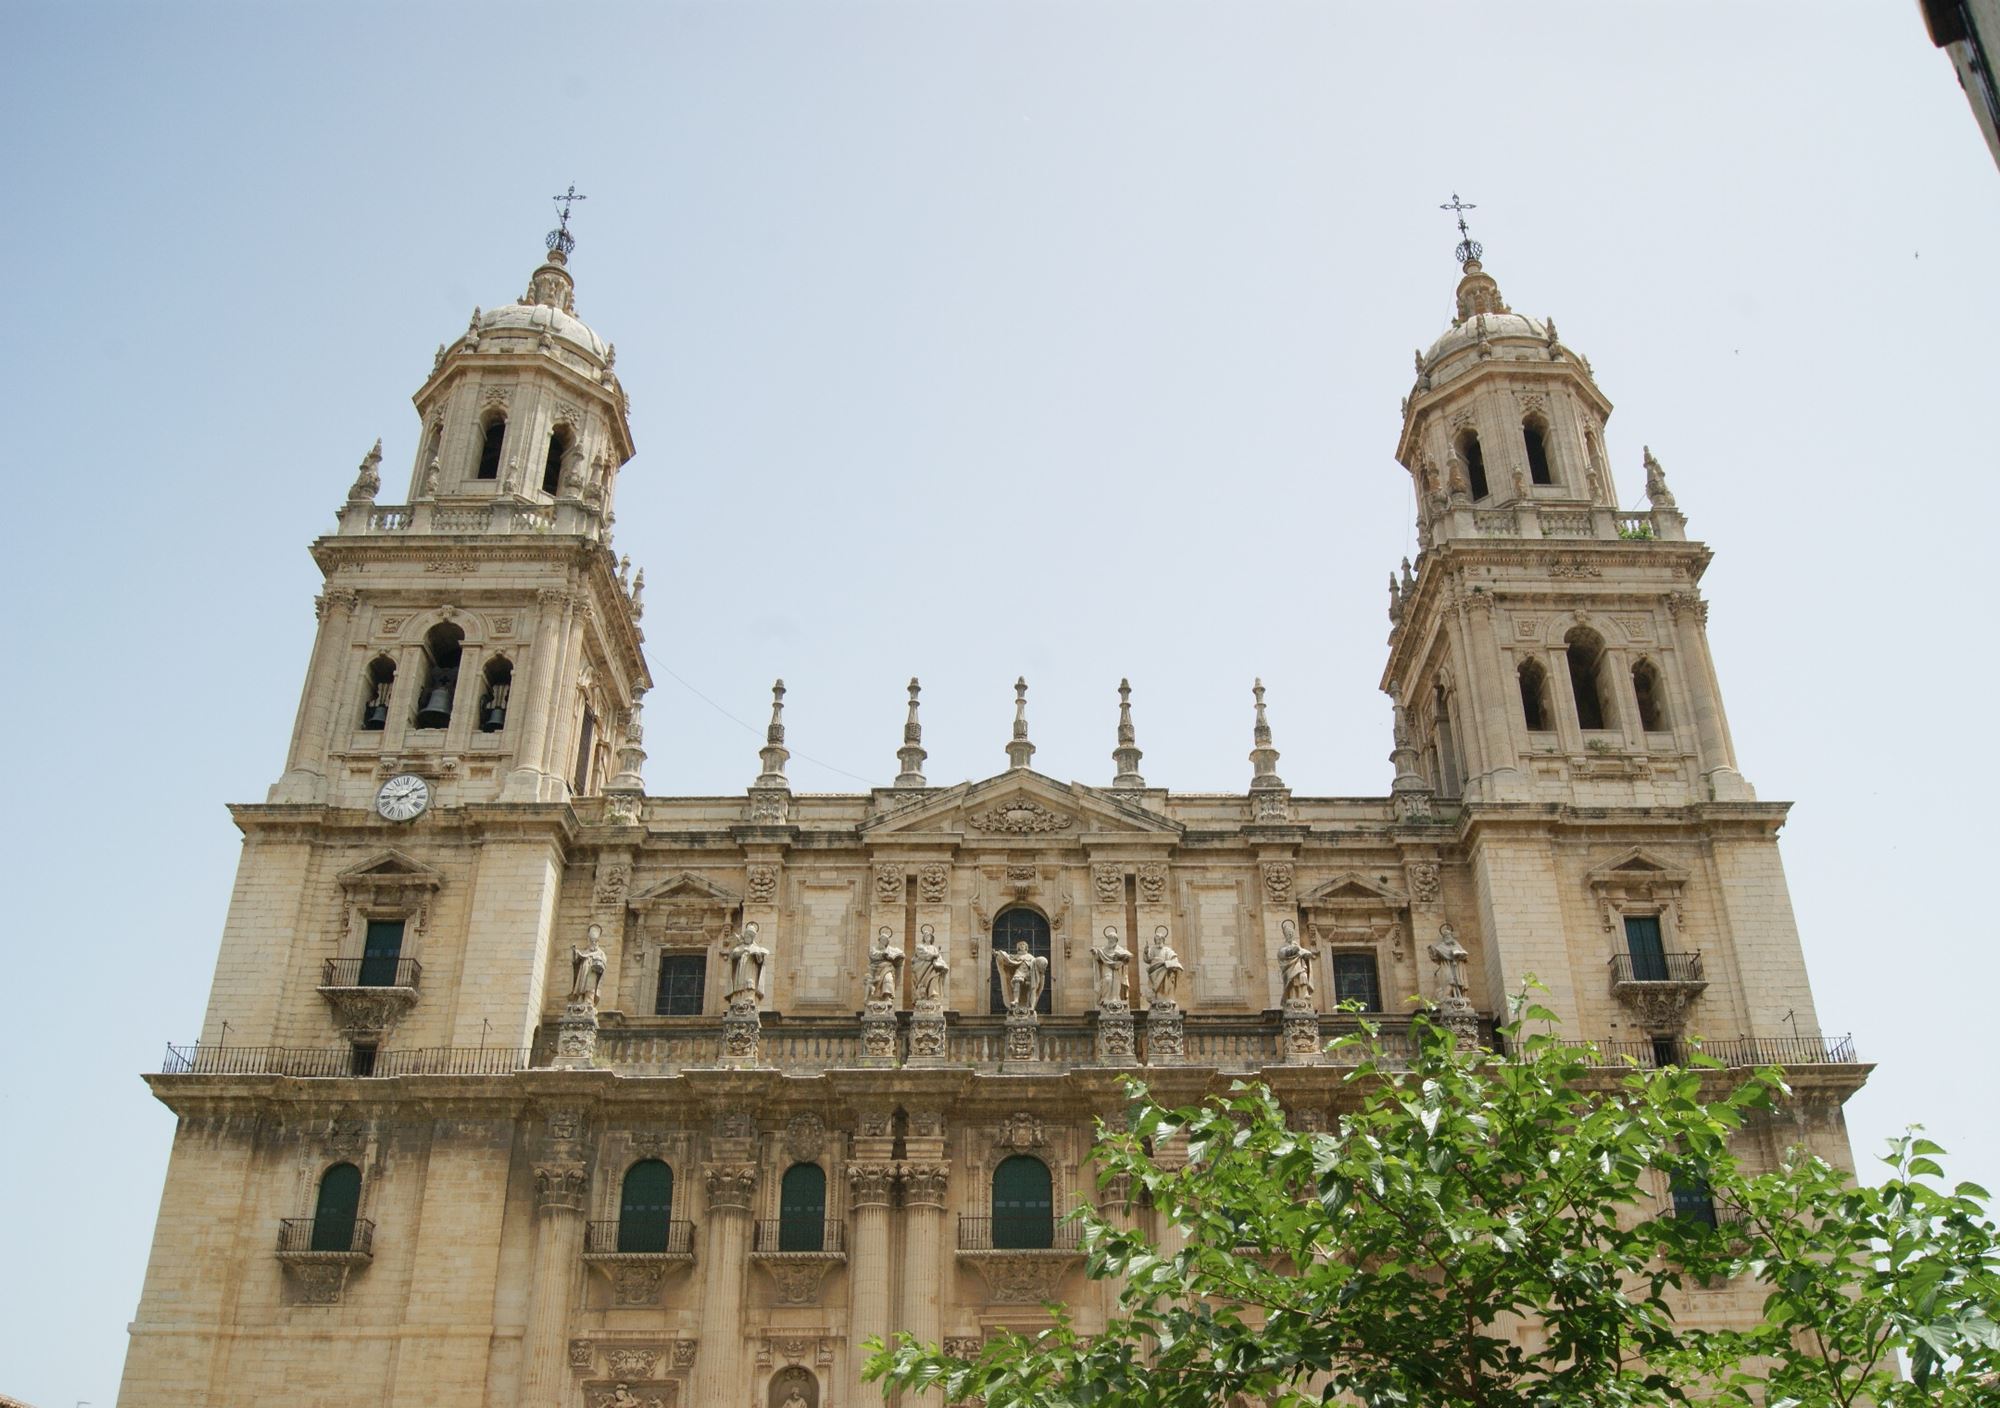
(1020,750)
(774,751)
(625,573)
(1263,756)
(638,596)
(368,482)
(631,753)
(1395,602)
(911,755)
(1657,492)
(1126,755)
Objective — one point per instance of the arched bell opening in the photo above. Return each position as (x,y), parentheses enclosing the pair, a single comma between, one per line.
(442,647)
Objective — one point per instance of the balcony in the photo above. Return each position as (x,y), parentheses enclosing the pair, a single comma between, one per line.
(1658,986)
(636,1257)
(337,1062)
(1022,1259)
(797,1254)
(369,995)
(1744,1052)
(318,1253)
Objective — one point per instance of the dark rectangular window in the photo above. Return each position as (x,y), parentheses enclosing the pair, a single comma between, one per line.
(1355,980)
(1648,950)
(363,1053)
(586,740)
(1666,1051)
(381,953)
(1693,1200)
(682,978)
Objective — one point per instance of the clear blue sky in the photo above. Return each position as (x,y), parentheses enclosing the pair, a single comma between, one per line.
(967,340)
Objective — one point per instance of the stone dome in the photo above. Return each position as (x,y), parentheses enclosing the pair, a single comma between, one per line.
(546,310)
(1485,321)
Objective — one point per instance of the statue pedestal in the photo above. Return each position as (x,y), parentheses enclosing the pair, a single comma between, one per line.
(1455,1014)
(1302,1039)
(1024,1040)
(927,1043)
(741,1030)
(1115,1044)
(878,1034)
(1166,1036)
(576,1036)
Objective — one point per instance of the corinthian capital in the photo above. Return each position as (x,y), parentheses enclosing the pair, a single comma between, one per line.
(924,1184)
(730,1187)
(562,1186)
(869,1184)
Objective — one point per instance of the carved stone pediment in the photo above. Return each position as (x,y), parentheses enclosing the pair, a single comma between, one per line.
(1021,804)
(1351,890)
(390,875)
(1636,878)
(686,888)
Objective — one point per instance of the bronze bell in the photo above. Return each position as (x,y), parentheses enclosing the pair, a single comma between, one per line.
(375,716)
(493,718)
(436,710)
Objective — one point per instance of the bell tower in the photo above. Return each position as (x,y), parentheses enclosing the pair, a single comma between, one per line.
(481,634)
(1547,646)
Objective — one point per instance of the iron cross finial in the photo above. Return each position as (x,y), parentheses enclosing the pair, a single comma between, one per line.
(560,237)
(1469,248)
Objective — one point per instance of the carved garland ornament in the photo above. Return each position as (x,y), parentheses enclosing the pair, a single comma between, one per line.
(933,883)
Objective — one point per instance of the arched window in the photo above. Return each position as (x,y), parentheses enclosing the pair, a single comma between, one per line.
(1475,463)
(552,466)
(489,447)
(645,1207)
(1535,695)
(802,1209)
(336,1209)
(441,647)
(493,700)
(1586,666)
(1652,703)
(586,744)
(381,682)
(1024,1208)
(1536,436)
(1012,926)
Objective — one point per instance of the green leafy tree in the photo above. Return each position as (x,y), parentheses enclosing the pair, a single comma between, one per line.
(1464,1196)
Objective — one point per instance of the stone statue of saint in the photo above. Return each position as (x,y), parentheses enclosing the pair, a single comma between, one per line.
(1023,976)
(586,966)
(1449,955)
(928,970)
(1111,956)
(1163,969)
(884,960)
(746,965)
(1295,961)
(795,1399)
(623,1397)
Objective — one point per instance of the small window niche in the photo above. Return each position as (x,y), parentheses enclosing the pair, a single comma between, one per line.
(1475,463)
(1585,650)
(493,698)
(381,683)
(442,647)
(491,438)
(1535,437)
(1646,692)
(1535,710)
(552,464)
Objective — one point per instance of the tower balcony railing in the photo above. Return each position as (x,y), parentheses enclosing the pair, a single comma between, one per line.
(1657,968)
(205,1059)
(326,1236)
(502,513)
(371,973)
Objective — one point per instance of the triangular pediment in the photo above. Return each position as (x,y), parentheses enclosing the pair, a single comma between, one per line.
(391,868)
(686,887)
(1637,866)
(1020,804)
(1352,888)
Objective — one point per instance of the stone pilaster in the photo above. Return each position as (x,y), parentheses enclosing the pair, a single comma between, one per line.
(718,1379)
(869,1185)
(562,1190)
(305,771)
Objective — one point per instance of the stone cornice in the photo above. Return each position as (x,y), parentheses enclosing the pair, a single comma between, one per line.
(317,823)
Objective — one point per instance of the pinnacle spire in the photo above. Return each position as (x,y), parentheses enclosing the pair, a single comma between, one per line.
(1126,755)
(1020,750)
(774,751)
(368,479)
(911,755)
(1263,757)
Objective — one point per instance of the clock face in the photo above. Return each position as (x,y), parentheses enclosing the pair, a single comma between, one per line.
(403,798)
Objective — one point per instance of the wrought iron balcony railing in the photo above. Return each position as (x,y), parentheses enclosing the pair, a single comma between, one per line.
(334,1061)
(371,973)
(1744,1051)
(798,1234)
(1017,1233)
(1657,968)
(641,1236)
(352,1236)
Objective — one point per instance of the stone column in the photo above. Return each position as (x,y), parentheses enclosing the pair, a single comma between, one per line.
(1697,669)
(924,1188)
(718,1377)
(524,783)
(868,1271)
(305,771)
(562,1187)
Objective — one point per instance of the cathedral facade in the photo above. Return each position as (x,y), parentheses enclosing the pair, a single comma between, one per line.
(518,1086)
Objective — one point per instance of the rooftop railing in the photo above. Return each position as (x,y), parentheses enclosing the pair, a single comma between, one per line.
(202,1059)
